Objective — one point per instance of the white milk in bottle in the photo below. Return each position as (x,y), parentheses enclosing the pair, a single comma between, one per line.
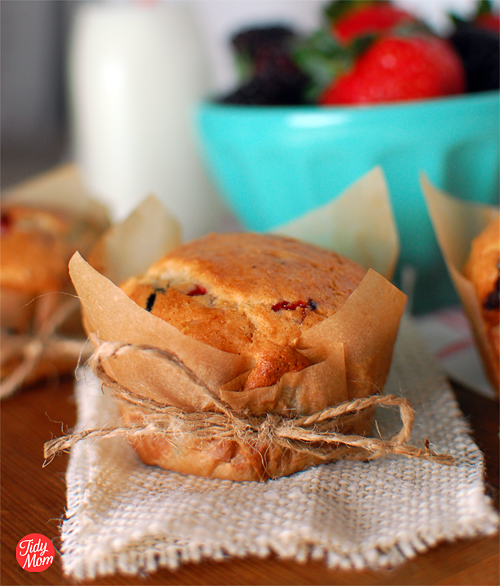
(136,73)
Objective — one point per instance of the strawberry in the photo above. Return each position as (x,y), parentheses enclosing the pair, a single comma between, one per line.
(490,22)
(486,19)
(398,68)
(350,20)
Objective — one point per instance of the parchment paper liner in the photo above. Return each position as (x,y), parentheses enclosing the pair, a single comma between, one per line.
(63,189)
(48,350)
(366,325)
(43,352)
(172,379)
(358,224)
(456,223)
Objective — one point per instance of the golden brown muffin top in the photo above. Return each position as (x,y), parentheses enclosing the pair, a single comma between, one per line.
(483,269)
(36,245)
(248,294)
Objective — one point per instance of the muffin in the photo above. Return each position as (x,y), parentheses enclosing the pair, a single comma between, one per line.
(248,294)
(483,270)
(36,245)
(255,296)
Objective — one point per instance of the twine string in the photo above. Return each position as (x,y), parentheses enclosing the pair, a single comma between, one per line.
(405,410)
(106,351)
(317,434)
(30,350)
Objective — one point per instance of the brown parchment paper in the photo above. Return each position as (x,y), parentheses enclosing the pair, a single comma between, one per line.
(62,189)
(358,224)
(50,324)
(148,233)
(456,223)
(351,351)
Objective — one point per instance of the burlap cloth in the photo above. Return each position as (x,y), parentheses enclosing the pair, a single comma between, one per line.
(126,517)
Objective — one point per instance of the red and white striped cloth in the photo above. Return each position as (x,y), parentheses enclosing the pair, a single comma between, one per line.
(448,336)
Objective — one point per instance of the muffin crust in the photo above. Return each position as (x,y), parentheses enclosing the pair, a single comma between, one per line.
(483,270)
(248,294)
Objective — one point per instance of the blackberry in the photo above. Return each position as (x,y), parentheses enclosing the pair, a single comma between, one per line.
(273,79)
(479,50)
(253,41)
(268,90)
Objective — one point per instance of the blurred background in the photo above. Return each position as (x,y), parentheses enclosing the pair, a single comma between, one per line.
(33,106)
(35,129)
(114,86)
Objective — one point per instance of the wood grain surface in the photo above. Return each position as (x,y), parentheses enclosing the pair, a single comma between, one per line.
(33,501)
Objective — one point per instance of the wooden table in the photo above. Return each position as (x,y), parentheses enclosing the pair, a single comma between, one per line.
(33,501)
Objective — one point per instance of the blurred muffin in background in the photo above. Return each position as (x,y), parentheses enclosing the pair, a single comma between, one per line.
(483,270)
(36,245)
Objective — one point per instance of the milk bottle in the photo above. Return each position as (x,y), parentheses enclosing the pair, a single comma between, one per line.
(136,73)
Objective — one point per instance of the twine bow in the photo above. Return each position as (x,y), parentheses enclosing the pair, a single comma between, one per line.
(317,434)
(30,350)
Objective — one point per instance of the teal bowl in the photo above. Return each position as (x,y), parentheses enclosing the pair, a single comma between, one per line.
(273,164)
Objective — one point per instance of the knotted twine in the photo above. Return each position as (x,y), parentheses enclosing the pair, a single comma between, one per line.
(315,434)
(43,344)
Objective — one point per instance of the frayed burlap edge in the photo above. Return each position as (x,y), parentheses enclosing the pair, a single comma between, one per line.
(172,556)
(162,551)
